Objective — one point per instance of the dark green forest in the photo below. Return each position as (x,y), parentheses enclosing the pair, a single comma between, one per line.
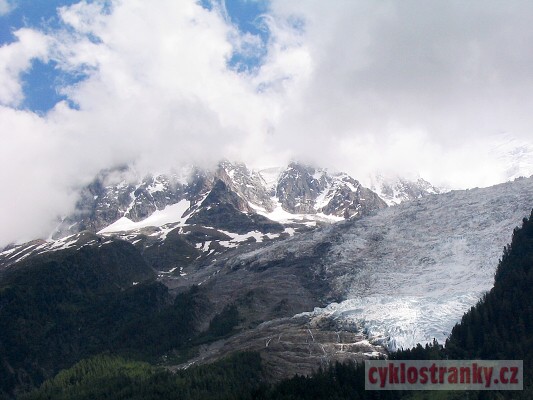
(105,377)
(63,308)
(146,317)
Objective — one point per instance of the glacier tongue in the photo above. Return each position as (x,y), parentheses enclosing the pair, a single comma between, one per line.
(401,321)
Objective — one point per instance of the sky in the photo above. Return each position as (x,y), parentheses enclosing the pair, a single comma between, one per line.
(437,89)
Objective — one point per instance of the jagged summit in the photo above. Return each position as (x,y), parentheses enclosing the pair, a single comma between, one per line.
(206,212)
(298,193)
(306,190)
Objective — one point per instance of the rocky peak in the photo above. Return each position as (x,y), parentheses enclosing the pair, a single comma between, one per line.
(276,194)
(222,194)
(304,189)
(298,188)
(154,193)
(246,183)
(394,189)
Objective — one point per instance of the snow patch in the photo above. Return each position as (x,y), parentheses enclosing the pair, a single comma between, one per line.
(172,214)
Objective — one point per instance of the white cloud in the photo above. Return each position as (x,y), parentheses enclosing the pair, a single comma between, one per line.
(158,93)
(400,86)
(16,58)
(440,76)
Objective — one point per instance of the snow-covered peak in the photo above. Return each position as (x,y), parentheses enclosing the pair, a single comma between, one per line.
(270,177)
(514,155)
(394,189)
(308,190)
(120,199)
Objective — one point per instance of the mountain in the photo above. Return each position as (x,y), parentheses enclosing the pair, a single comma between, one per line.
(192,214)
(297,193)
(514,155)
(495,328)
(305,190)
(395,189)
(386,281)
(498,327)
(223,242)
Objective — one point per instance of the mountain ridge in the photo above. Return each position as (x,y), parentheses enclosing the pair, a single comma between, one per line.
(298,197)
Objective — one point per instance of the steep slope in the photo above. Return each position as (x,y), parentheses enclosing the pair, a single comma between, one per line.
(222,209)
(402,275)
(501,324)
(397,278)
(94,295)
(498,327)
(52,308)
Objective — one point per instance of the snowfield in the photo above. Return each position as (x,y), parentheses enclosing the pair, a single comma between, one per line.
(172,214)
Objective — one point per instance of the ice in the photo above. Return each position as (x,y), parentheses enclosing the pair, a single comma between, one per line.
(514,155)
(331,218)
(351,186)
(403,321)
(324,198)
(133,199)
(290,231)
(157,186)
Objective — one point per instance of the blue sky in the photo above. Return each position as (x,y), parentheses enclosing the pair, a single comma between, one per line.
(246,14)
(42,82)
(29,13)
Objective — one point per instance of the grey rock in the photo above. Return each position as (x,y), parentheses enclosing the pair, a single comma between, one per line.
(306,190)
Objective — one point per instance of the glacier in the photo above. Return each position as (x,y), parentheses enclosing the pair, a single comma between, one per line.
(407,274)
(410,272)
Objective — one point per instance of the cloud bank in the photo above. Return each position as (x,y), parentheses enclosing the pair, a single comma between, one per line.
(407,87)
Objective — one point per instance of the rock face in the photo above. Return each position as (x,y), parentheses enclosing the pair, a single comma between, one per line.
(246,183)
(111,196)
(225,209)
(306,190)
